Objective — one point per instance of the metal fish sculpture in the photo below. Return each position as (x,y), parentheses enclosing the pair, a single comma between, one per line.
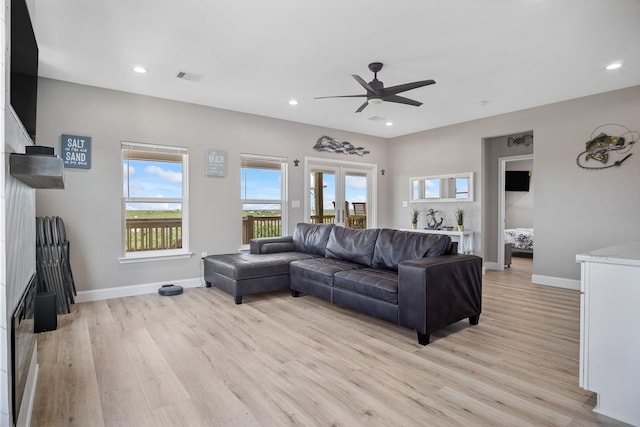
(332,145)
(598,148)
(525,140)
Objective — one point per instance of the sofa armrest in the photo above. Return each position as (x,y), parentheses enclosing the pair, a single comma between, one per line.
(271,245)
(434,292)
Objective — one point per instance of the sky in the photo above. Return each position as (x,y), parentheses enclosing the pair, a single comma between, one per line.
(152,179)
(164,180)
(264,184)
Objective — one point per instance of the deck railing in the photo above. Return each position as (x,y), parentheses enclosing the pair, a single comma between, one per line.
(270,226)
(159,234)
(153,234)
(326,219)
(260,226)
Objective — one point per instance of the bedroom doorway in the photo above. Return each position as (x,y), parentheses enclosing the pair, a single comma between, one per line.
(515,205)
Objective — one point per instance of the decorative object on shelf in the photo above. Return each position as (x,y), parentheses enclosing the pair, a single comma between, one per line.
(432,221)
(599,147)
(415,214)
(525,140)
(460,218)
(332,145)
(296,162)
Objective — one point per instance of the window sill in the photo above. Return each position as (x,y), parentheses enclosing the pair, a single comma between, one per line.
(154,256)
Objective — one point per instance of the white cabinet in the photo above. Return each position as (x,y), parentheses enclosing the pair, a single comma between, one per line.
(610,329)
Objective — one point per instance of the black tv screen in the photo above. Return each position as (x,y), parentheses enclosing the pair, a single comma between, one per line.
(23,87)
(517,180)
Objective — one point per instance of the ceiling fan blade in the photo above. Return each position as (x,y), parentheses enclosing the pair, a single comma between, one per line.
(341,96)
(364,84)
(362,107)
(407,86)
(401,100)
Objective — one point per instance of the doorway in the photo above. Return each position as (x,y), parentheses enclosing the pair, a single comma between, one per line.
(515,206)
(341,193)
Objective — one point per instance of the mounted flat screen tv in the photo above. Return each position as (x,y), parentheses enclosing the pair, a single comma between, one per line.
(517,180)
(23,89)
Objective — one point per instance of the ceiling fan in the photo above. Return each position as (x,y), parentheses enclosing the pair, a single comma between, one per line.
(377,93)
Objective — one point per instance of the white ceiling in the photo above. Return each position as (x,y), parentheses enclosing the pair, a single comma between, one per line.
(486,56)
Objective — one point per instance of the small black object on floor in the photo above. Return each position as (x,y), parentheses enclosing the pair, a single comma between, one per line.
(169,290)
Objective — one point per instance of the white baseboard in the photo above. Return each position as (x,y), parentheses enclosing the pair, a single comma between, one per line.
(557,282)
(491,266)
(127,291)
(537,279)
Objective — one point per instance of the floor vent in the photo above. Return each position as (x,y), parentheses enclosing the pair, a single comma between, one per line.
(189,76)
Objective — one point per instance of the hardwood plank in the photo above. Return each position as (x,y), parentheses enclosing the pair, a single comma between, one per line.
(198,359)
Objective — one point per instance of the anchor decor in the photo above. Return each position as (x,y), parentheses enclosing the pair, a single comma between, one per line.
(601,146)
(332,145)
(432,221)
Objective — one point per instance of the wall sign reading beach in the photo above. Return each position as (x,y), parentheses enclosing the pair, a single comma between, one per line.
(216,162)
(76,151)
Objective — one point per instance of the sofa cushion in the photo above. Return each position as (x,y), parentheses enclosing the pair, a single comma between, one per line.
(242,266)
(272,248)
(311,238)
(352,245)
(378,284)
(320,269)
(393,247)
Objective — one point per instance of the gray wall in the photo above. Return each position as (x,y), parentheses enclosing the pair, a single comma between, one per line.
(575,210)
(90,202)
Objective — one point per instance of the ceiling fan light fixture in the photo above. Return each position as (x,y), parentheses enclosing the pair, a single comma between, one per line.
(374,101)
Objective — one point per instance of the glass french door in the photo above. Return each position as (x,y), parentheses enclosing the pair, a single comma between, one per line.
(340,193)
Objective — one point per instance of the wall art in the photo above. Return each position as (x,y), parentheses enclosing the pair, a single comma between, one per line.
(607,140)
(332,145)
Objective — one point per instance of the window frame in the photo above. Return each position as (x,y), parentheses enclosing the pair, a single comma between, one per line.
(284,184)
(162,254)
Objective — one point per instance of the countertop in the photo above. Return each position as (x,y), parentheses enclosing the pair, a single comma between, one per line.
(627,253)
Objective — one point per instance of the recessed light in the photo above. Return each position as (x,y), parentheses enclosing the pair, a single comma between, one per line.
(389,123)
(293,101)
(139,69)
(614,66)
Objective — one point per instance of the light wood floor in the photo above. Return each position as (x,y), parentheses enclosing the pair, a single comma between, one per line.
(198,359)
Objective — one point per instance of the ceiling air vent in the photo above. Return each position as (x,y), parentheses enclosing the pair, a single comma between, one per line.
(189,76)
(377,119)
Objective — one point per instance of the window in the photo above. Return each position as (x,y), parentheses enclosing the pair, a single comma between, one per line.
(263,183)
(154,200)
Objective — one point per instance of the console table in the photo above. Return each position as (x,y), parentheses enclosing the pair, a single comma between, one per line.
(609,338)
(464,238)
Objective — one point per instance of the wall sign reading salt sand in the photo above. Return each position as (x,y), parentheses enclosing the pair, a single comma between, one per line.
(76,151)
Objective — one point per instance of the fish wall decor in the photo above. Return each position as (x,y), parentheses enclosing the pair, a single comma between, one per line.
(332,145)
(525,140)
(601,146)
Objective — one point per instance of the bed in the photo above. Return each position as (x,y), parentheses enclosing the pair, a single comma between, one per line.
(520,239)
